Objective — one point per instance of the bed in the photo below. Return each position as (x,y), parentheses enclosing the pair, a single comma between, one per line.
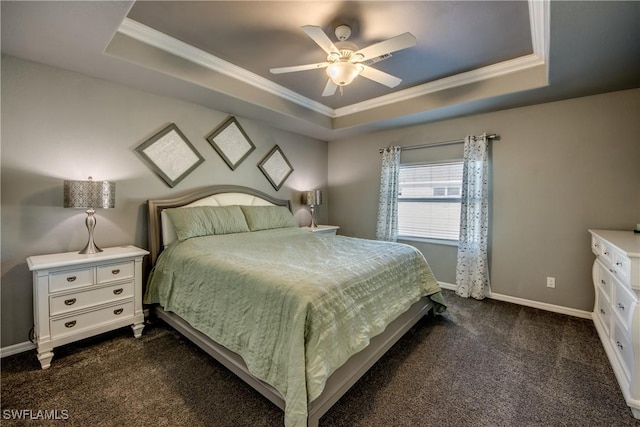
(298,316)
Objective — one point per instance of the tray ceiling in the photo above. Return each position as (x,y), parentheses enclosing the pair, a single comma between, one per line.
(470,57)
(452,38)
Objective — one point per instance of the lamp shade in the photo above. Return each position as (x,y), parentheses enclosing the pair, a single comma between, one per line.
(89,194)
(342,72)
(312,198)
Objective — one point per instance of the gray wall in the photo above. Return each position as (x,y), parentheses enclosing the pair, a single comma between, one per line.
(559,169)
(60,125)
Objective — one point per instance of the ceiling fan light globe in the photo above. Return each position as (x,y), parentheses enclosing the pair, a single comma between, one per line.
(342,73)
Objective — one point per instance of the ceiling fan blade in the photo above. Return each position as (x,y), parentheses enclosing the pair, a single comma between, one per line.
(330,88)
(298,68)
(375,59)
(393,44)
(380,76)
(321,39)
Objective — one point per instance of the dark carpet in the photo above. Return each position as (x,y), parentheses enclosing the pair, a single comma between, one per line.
(483,363)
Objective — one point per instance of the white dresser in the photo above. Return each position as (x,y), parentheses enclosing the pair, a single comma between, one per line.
(77,296)
(616,313)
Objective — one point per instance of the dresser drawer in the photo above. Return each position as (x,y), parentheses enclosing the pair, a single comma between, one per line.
(60,304)
(623,304)
(606,252)
(111,272)
(74,324)
(622,344)
(70,279)
(604,281)
(603,311)
(596,245)
(622,267)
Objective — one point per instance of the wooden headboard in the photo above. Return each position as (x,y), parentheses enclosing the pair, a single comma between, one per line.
(223,195)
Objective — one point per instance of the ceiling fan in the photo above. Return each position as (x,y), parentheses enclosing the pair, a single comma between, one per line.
(345,61)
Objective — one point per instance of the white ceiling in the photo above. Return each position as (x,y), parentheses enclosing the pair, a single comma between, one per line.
(470,57)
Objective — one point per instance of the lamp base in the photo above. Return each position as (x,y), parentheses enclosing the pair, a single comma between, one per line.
(313,218)
(91,247)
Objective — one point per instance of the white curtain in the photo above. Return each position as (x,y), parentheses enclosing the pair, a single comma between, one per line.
(387,228)
(472,270)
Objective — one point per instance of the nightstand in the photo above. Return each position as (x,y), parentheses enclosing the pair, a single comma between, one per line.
(324,229)
(77,296)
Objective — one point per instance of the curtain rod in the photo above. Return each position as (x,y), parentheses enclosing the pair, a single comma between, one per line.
(440,144)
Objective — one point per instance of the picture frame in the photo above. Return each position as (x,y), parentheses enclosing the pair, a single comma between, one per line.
(231,142)
(170,155)
(276,167)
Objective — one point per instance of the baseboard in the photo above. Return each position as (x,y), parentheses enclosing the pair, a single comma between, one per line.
(530,303)
(16,348)
(543,306)
(448,286)
(26,346)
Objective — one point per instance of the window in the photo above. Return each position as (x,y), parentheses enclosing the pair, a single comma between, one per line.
(429,200)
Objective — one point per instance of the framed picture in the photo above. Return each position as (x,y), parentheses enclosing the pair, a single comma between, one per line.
(276,167)
(231,142)
(170,155)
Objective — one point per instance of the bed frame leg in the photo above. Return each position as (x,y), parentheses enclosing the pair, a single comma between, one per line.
(430,315)
(312,422)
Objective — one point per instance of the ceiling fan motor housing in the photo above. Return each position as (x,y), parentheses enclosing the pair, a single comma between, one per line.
(343,32)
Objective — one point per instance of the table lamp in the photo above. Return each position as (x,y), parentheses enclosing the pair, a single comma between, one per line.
(90,194)
(312,199)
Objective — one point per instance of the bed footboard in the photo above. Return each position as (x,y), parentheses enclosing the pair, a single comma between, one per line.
(338,383)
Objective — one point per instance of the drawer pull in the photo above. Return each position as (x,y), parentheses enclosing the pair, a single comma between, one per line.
(606,252)
(602,311)
(596,245)
(117,291)
(619,264)
(620,306)
(116,271)
(70,301)
(603,282)
(620,346)
(118,311)
(70,324)
(71,279)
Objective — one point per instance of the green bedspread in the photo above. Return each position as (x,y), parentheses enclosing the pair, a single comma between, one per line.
(295,305)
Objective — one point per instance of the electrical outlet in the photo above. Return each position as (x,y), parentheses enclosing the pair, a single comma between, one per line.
(551,282)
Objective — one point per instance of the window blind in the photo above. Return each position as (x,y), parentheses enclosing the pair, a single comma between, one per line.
(429,200)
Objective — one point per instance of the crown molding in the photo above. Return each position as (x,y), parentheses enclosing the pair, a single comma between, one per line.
(162,41)
(538,18)
(479,74)
(539,23)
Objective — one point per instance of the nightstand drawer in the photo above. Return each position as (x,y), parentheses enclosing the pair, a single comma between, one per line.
(74,324)
(109,273)
(70,279)
(66,303)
